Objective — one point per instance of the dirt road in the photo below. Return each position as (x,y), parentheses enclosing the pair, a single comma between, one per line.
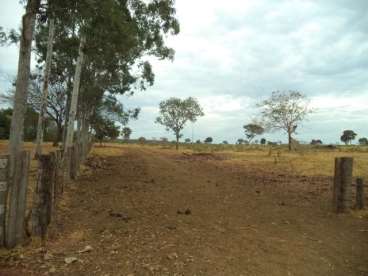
(155,212)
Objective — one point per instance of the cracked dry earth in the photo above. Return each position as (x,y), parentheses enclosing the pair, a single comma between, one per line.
(148,211)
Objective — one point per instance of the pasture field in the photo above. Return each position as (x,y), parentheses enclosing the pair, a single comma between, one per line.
(202,210)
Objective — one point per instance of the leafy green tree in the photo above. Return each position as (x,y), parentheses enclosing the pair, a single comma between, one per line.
(105,128)
(175,113)
(187,140)
(348,136)
(316,142)
(126,132)
(240,141)
(263,141)
(208,140)
(225,142)
(252,130)
(5,121)
(284,111)
(363,141)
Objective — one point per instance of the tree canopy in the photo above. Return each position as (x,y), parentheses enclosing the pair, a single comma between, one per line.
(284,110)
(175,113)
(348,136)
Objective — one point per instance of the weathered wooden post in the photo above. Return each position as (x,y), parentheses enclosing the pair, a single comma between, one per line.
(342,191)
(17,200)
(58,185)
(359,193)
(4,161)
(74,163)
(66,164)
(43,195)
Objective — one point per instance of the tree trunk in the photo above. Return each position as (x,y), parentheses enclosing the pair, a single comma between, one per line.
(289,140)
(74,99)
(19,109)
(177,142)
(59,134)
(45,89)
(21,90)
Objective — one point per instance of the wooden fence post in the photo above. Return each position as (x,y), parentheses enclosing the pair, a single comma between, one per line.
(43,195)
(58,182)
(74,162)
(17,200)
(342,191)
(359,193)
(4,162)
(66,164)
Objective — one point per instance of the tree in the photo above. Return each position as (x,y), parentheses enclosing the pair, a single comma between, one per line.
(225,142)
(363,141)
(240,141)
(126,132)
(263,141)
(316,142)
(5,121)
(348,136)
(284,111)
(187,140)
(105,128)
(175,113)
(252,130)
(198,141)
(208,140)
(45,88)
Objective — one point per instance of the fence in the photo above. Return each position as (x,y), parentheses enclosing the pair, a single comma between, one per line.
(54,171)
(343,186)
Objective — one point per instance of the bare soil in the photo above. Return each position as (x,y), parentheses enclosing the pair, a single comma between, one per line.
(147,211)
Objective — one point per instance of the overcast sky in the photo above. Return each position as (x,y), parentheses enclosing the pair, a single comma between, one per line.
(232,54)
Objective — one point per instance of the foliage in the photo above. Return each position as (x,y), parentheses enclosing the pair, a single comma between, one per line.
(252,130)
(105,128)
(348,136)
(208,140)
(284,111)
(316,142)
(175,113)
(263,141)
(363,141)
(126,132)
(225,142)
(5,119)
(188,140)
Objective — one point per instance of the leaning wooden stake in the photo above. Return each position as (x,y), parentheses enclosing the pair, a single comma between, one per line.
(17,201)
(43,195)
(359,193)
(4,162)
(342,191)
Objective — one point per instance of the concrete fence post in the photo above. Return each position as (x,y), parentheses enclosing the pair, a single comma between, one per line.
(17,200)
(342,191)
(360,193)
(4,163)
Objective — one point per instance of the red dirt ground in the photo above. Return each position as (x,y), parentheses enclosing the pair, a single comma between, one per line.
(154,212)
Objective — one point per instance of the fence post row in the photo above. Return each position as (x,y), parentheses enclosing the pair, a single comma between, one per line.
(4,164)
(17,189)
